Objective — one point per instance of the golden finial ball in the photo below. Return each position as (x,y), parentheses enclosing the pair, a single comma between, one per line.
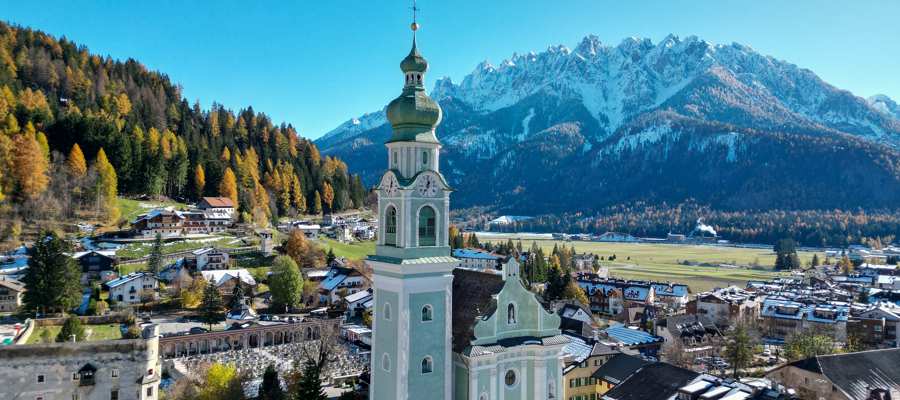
(415,26)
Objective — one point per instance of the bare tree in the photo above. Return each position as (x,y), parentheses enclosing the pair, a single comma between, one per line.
(324,348)
(674,352)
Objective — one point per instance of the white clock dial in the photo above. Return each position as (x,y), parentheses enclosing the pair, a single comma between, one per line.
(390,185)
(427,185)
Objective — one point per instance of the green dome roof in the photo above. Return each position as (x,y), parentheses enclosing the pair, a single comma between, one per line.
(414,62)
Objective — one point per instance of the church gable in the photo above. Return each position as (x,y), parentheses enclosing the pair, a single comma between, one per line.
(515,312)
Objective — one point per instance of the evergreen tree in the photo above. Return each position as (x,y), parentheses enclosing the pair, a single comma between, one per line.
(311,384)
(329,257)
(317,204)
(53,278)
(863,296)
(155,263)
(237,294)
(473,241)
(211,306)
(270,388)
(72,326)
(780,262)
(740,349)
(76,162)
(815,260)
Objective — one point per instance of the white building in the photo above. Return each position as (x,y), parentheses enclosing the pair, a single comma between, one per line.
(128,288)
(477,259)
(211,258)
(339,278)
(217,204)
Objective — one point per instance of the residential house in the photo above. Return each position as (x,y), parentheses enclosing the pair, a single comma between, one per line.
(603,297)
(226,279)
(96,265)
(614,372)
(356,333)
(583,358)
(848,376)
(339,278)
(709,387)
(696,332)
(673,295)
(781,317)
(129,288)
(878,323)
(643,342)
(217,204)
(722,304)
(617,237)
(657,381)
(359,302)
(166,223)
(584,261)
(477,259)
(10,295)
(210,258)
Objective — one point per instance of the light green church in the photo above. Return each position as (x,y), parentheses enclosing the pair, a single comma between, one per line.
(440,332)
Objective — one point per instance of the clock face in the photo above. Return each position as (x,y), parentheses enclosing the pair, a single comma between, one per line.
(390,185)
(427,185)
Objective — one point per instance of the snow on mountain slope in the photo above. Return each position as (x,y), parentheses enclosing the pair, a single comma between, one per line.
(352,127)
(884,104)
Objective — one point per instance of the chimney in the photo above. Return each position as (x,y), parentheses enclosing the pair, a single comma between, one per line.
(72,338)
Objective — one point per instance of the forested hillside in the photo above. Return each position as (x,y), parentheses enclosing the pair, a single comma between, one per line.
(64,112)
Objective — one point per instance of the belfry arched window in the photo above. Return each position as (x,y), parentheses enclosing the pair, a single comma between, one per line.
(427,227)
(427,313)
(427,365)
(387,311)
(386,362)
(390,226)
(511,314)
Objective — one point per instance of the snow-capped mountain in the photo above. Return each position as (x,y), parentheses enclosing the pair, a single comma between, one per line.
(884,104)
(590,106)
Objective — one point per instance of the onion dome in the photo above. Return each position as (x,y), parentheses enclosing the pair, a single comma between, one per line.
(414,62)
(413,115)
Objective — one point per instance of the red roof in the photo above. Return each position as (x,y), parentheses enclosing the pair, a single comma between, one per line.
(217,202)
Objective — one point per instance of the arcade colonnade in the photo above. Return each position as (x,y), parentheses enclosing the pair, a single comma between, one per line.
(254,336)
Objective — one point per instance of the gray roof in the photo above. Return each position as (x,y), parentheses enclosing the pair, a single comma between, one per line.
(618,368)
(504,344)
(472,299)
(652,381)
(853,373)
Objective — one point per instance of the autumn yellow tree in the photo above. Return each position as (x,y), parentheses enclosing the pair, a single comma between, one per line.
(199,181)
(31,166)
(327,194)
(228,186)
(297,198)
(226,156)
(75,161)
(108,182)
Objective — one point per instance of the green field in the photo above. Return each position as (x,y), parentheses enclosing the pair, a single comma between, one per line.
(132,208)
(141,249)
(662,262)
(97,333)
(356,249)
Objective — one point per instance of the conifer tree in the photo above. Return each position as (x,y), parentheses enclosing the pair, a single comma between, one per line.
(237,294)
(76,163)
(297,198)
(108,182)
(327,194)
(155,263)
(317,204)
(228,186)
(72,326)
(211,306)
(226,156)
(329,257)
(270,388)
(311,384)
(199,181)
(31,165)
(53,278)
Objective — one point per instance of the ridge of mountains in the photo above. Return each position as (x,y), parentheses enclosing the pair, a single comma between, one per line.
(640,122)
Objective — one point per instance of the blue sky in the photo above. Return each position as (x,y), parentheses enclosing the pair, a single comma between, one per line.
(317,64)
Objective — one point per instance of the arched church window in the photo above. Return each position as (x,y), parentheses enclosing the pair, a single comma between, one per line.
(551,389)
(427,313)
(424,158)
(426,227)
(390,226)
(395,158)
(387,311)
(386,362)
(511,314)
(427,366)
(484,396)
(419,78)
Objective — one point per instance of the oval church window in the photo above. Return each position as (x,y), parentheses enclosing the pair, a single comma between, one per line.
(511,378)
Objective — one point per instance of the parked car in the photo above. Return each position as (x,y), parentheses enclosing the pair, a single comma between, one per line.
(767,353)
(264,318)
(198,329)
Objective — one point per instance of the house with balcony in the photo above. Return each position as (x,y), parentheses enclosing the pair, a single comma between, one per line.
(696,332)
(477,259)
(167,223)
(210,258)
(339,278)
(129,288)
(96,265)
(722,304)
(222,205)
(781,317)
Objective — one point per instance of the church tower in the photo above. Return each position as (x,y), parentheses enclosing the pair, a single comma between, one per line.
(412,265)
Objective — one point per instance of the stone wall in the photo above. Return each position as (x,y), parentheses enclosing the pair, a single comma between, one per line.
(92,320)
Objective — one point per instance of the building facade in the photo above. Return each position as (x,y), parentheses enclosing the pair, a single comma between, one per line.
(124,369)
(10,294)
(131,287)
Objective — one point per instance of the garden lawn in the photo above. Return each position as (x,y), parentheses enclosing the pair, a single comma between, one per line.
(357,249)
(132,208)
(97,333)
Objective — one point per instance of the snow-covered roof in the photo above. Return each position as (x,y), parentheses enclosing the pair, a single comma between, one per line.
(358,296)
(577,350)
(465,253)
(108,253)
(222,276)
(629,336)
(333,279)
(128,278)
(204,250)
(662,289)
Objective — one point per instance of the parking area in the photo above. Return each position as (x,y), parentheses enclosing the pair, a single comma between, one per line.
(171,324)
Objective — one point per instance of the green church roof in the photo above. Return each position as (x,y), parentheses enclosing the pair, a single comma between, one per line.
(413,115)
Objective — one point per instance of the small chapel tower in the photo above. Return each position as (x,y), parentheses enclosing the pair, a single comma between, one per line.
(412,265)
